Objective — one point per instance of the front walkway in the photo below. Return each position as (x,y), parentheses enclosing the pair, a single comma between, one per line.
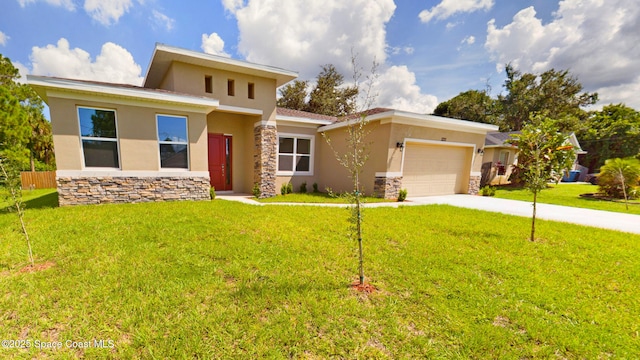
(587,217)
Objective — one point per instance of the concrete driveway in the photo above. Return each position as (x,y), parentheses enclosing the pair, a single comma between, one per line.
(587,217)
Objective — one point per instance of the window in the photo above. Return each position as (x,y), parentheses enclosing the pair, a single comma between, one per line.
(99,137)
(172,138)
(231,87)
(208,84)
(295,155)
(251,90)
(504,157)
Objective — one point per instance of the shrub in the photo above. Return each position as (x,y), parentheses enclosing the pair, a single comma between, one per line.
(618,177)
(212,193)
(303,187)
(402,195)
(286,188)
(256,190)
(315,187)
(330,192)
(488,191)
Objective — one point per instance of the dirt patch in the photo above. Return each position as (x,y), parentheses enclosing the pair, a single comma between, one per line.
(363,288)
(37,267)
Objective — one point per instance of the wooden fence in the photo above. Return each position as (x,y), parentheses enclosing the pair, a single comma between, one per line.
(38,180)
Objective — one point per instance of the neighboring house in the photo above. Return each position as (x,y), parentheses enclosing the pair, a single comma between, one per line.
(500,157)
(203,120)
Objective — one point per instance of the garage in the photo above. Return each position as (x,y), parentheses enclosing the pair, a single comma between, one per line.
(436,169)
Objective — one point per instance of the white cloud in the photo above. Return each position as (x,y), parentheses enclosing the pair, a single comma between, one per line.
(593,39)
(397,89)
(67,4)
(107,12)
(3,38)
(23,70)
(163,20)
(114,63)
(213,44)
(448,8)
(302,36)
(469,40)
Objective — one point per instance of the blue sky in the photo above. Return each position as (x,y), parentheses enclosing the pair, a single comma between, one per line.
(428,51)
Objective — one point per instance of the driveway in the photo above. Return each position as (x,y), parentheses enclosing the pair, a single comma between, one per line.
(587,217)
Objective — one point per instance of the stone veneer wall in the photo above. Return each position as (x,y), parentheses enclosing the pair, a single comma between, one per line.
(108,189)
(265,159)
(474,184)
(387,187)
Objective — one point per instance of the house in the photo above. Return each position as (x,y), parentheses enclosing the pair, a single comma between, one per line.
(500,157)
(201,120)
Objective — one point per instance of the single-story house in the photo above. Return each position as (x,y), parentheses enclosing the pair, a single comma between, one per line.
(500,157)
(202,120)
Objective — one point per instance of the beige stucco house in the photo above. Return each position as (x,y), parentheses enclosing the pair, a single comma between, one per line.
(203,120)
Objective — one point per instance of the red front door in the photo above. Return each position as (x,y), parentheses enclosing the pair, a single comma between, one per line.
(220,161)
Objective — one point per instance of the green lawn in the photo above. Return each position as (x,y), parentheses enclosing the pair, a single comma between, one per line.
(569,195)
(317,198)
(224,279)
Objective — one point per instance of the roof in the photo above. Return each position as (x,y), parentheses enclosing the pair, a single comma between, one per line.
(386,115)
(46,86)
(284,112)
(499,139)
(164,55)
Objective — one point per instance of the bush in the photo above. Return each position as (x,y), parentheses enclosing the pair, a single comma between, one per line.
(303,187)
(315,187)
(212,193)
(256,190)
(619,177)
(402,195)
(286,188)
(330,192)
(488,191)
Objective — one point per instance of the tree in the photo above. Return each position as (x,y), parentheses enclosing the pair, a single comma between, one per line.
(557,94)
(328,97)
(293,96)
(357,154)
(472,105)
(10,181)
(22,124)
(618,177)
(542,153)
(613,132)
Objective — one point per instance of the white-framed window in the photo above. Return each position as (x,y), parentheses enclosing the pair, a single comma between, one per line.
(173,141)
(295,154)
(99,137)
(504,158)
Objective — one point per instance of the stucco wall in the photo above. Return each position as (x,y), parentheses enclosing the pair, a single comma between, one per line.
(297,180)
(137,135)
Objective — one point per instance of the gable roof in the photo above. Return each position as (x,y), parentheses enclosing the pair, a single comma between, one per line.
(284,112)
(164,55)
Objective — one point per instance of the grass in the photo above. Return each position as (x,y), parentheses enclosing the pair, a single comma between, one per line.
(228,280)
(569,195)
(317,198)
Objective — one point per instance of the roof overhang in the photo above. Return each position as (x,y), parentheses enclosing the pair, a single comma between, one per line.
(300,121)
(421,120)
(164,55)
(119,94)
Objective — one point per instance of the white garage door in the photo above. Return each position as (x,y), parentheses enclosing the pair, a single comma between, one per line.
(436,169)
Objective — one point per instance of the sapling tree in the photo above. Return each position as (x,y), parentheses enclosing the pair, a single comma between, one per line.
(618,177)
(543,152)
(357,152)
(10,180)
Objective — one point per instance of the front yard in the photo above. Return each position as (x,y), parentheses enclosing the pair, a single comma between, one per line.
(223,279)
(569,195)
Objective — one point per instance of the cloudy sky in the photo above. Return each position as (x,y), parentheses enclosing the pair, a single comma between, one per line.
(428,51)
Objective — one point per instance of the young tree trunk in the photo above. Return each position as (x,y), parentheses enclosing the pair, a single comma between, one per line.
(359,229)
(624,190)
(533,218)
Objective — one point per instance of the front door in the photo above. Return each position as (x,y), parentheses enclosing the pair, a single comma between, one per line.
(220,161)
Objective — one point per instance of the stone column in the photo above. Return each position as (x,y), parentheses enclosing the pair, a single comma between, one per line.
(474,184)
(264,159)
(387,186)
